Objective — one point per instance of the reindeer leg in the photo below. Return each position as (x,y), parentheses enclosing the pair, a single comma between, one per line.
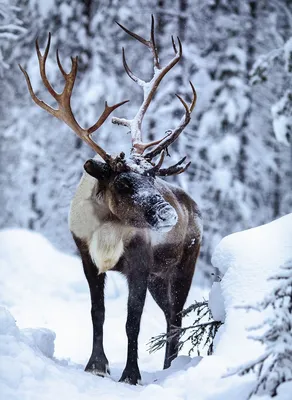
(174,320)
(170,291)
(137,276)
(178,292)
(175,291)
(159,289)
(98,363)
(136,300)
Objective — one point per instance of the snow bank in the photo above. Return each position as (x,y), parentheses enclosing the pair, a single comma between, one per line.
(42,287)
(45,288)
(22,353)
(28,372)
(247,259)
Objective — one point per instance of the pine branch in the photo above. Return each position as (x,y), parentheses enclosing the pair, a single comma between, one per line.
(201,331)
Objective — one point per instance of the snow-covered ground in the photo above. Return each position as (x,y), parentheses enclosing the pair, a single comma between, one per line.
(42,287)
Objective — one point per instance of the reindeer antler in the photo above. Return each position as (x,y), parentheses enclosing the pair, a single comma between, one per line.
(149,88)
(64,112)
(174,134)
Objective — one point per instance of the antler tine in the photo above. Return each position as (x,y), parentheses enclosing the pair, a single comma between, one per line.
(173,44)
(39,102)
(153,45)
(180,162)
(64,111)
(60,65)
(149,88)
(174,169)
(179,45)
(193,103)
(160,161)
(133,34)
(42,65)
(155,169)
(106,112)
(148,43)
(141,147)
(165,142)
(127,69)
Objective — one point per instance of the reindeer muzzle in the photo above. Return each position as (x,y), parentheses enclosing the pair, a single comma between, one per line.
(162,217)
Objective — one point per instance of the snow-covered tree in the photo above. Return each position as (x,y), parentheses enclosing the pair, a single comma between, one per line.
(274,366)
(239,173)
(271,77)
(10,30)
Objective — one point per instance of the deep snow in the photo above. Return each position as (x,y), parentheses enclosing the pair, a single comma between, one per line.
(43,287)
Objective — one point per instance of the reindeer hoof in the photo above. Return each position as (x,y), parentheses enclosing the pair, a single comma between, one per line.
(131,377)
(97,368)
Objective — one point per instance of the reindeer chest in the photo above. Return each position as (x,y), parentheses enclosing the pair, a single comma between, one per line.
(106,241)
(107,244)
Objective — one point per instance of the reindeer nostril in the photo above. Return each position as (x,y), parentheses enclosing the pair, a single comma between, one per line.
(168,214)
(155,201)
(151,212)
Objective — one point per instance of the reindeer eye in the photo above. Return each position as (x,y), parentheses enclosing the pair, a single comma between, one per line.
(123,184)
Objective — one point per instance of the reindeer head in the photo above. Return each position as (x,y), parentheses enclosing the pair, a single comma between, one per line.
(128,187)
(132,198)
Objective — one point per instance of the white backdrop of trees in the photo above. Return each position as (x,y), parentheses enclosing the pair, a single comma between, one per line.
(238,55)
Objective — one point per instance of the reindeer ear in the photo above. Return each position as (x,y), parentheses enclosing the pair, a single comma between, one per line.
(97,169)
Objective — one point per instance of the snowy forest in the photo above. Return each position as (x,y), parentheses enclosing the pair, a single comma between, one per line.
(238,55)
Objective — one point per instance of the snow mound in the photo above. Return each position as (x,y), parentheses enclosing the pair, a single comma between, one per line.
(41,339)
(7,323)
(22,353)
(247,260)
(27,372)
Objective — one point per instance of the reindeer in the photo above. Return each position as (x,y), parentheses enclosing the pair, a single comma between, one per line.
(125,218)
